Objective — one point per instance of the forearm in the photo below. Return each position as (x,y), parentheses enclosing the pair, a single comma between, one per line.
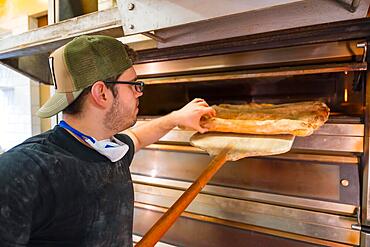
(153,130)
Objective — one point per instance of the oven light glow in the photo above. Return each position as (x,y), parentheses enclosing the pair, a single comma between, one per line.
(345,95)
(153,173)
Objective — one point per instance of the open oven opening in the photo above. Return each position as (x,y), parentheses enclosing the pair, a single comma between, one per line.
(338,90)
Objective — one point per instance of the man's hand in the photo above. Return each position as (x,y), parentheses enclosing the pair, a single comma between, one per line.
(189,116)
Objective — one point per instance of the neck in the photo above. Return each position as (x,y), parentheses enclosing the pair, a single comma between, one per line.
(93,127)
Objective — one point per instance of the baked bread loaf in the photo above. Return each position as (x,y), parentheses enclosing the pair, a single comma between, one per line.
(299,119)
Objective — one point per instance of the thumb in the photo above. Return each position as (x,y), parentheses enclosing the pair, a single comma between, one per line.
(201,130)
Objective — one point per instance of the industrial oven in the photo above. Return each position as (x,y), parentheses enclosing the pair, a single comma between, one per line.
(241,52)
(315,195)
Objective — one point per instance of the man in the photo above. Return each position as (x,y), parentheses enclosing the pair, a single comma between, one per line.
(71,186)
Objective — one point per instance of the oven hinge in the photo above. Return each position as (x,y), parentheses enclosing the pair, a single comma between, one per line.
(351,6)
(154,37)
(357,82)
(357,226)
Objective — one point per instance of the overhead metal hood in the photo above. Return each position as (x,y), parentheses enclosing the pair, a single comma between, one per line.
(176,23)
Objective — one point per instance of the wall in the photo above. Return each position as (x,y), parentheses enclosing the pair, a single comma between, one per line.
(15,105)
(14,14)
(19,96)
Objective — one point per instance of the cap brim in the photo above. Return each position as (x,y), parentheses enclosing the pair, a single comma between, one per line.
(57,103)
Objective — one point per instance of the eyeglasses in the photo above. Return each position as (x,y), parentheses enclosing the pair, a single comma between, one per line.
(139,85)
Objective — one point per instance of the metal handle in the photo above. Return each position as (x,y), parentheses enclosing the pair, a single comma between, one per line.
(364,46)
(357,85)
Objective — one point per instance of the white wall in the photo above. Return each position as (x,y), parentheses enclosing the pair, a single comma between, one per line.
(19,96)
(16,107)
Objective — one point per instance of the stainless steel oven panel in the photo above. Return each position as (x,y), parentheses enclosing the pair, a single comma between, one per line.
(260,73)
(215,232)
(270,198)
(342,51)
(351,144)
(304,222)
(297,176)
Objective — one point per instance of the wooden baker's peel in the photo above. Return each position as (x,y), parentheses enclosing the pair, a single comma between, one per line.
(225,147)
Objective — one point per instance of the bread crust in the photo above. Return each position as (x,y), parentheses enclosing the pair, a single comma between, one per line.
(299,119)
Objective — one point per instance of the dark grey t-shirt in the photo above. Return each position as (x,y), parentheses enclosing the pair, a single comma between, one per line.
(55,191)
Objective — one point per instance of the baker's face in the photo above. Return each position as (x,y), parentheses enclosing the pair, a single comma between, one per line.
(125,106)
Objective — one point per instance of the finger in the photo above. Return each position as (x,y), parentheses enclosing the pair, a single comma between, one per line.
(209,111)
(214,113)
(197,100)
(201,130)
(202,103)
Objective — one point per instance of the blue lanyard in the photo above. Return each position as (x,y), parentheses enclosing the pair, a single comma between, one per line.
(63,124)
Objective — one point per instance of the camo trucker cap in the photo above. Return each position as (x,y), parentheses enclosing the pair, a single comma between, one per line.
(79,64)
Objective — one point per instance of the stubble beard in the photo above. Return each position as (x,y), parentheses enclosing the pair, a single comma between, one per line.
(116,119)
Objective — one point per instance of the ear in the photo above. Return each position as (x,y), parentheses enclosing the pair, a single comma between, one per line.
(100,94)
